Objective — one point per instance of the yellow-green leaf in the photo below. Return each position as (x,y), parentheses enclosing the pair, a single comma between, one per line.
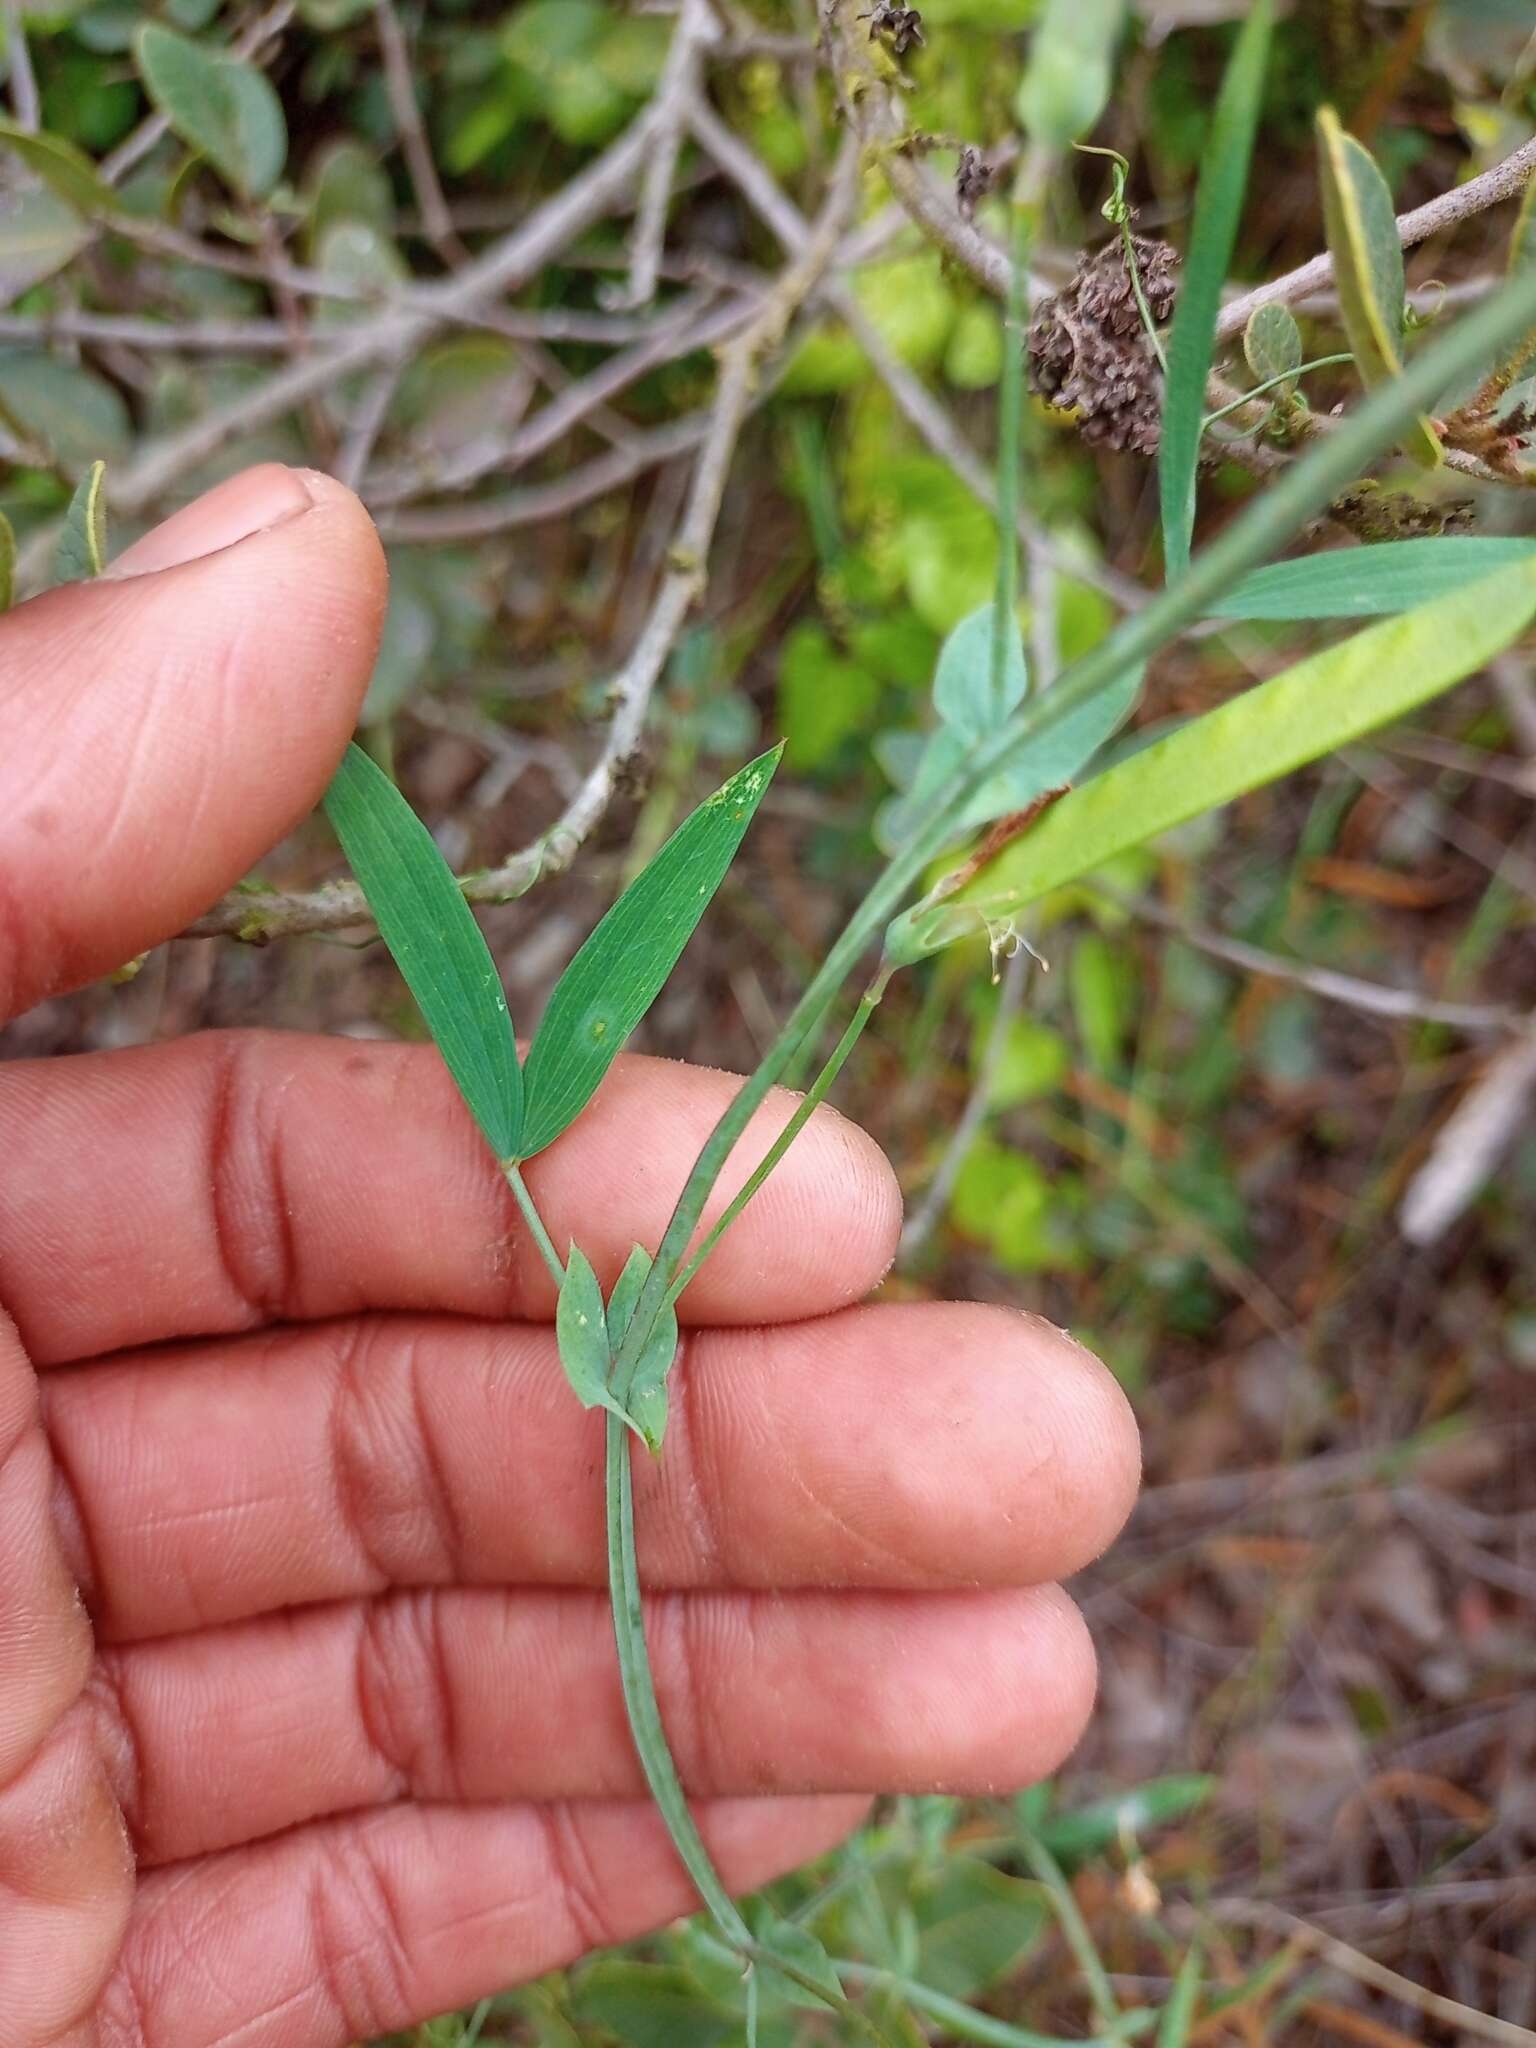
(1311,709)
(1367,264)
(7,563)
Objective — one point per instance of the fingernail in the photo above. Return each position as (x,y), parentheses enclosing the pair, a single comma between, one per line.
(253,502)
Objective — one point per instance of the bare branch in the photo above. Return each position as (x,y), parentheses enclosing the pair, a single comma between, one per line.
(923,410)
(536,503)
(367,424)
(694,328)
(1364,1969)
(401,87)
(265,915)
(677,86)
(1376,998)
(25,104)
(1504,181)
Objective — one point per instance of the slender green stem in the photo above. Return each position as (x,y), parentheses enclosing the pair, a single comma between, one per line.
(1101,1992)
(967,2024)
(1133,270)
(868,1003)
(640,1695)
(513,1175)
(1285,377)
(651,1741)
(1010,427)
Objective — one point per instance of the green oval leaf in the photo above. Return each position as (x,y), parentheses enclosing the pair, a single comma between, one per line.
(1371,581)
(218,104)
(962,685)
(581,1333)
(1272,345)
(1055,757)
(82,547)
(39,234)
(1218,208)
(1311,709)
(64,169)
(620,970)
(438,947)
(1367,264)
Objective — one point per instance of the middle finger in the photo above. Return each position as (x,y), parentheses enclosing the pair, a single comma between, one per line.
(892,1446)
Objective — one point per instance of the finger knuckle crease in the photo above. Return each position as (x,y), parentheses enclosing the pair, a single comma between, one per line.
(404,1695)
(576,1877)
(248,1204)
(357,1940)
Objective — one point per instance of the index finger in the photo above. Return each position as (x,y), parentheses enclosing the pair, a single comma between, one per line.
(243,1178)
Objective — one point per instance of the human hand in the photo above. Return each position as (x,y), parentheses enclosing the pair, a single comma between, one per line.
(331,1737)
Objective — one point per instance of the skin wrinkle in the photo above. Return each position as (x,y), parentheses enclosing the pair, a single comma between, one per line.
(576,1881)
(354,1877)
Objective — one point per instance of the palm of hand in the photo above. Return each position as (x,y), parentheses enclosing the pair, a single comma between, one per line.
(333,1739)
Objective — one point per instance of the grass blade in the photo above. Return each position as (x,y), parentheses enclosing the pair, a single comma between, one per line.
(620,970)
(1218,208)
(1372,581)
(438,947)
(1173,2029)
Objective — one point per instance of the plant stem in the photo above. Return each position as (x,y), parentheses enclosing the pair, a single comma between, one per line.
(1285,377)
(1010,424)
(640,1694)
(868,1003)
(513,1174)
(1133,270)
(967,2024)
(1101,1992)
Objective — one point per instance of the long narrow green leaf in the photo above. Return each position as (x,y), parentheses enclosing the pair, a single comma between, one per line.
(1369,582)
(1320,704)
(620,970)
(7,563)
(1218,208)
(437,945)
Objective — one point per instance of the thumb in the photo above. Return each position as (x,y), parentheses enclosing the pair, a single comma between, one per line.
(168,723)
